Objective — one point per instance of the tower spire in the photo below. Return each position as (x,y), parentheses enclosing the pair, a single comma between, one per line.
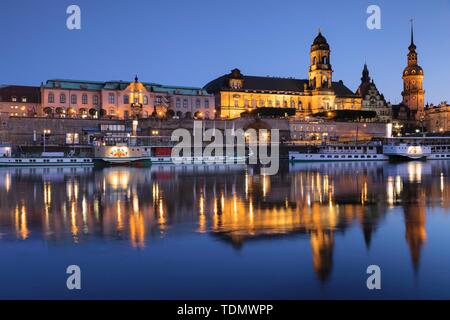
(412,46)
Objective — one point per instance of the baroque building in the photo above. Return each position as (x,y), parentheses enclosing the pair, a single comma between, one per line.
(123,100)
(236,93)
(372,99)
(437,118)
(412,107)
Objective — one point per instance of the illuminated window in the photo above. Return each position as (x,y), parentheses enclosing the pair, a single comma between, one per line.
(13,99)
(24,99)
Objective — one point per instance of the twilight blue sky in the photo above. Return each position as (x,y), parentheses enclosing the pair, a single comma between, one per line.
(189,42)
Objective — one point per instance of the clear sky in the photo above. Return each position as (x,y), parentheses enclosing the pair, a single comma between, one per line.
(191,42)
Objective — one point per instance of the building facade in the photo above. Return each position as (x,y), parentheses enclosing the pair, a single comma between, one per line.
(372,99)
(20,101)
(123,100)
(236,93)
(437,118)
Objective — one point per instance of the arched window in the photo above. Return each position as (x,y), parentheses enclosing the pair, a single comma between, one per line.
(300,106)
(62,98)
(315,60)
(73,99)
(325,60)
(51,98)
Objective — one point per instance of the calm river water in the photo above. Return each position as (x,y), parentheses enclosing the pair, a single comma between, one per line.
(227,233)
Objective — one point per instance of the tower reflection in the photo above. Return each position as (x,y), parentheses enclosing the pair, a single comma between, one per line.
(317,201)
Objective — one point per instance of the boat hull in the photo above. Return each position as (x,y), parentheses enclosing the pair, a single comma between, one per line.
(46,162)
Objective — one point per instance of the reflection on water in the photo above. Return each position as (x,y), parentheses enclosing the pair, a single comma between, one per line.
(316,201)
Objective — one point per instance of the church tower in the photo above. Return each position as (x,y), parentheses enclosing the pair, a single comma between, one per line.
(413,93)
(320,71)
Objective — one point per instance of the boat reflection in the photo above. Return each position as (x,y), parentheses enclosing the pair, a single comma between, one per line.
(315,201)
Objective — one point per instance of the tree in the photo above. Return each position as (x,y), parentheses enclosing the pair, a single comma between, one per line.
(48,111)
(170,114)
(92,112)
(102,113)
(198,115)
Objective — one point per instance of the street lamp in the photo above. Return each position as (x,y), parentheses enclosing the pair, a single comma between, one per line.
(46,131)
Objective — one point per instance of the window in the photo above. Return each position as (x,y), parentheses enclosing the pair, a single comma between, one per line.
(13,99)
(51,98)
(325,60)
(253,103)
(206,103)
(95,100)
(292,104)
(178,103)
(126,99)
(73,99)
(236,103)
(62,98)
(262,103)
(126,114)
(197,103)
(300,107)
(111,98)
(145,100)
(84,99)
(72,138)
(158,100)
(24,99)
(315,60)
(185,103)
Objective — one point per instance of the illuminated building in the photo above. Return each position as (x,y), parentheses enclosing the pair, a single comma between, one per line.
(373,100)
(413,104)
(236,93)
(20,101)
(438,118)
(123,100)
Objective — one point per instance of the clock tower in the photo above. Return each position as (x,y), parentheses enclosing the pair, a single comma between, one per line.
(413,92)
